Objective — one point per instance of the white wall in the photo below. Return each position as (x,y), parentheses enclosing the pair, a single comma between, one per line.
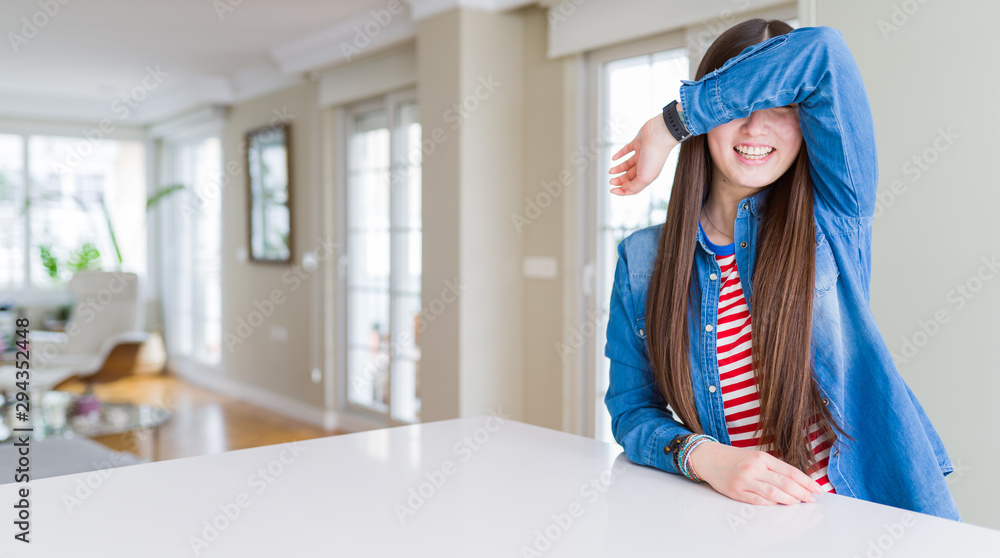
(472,181)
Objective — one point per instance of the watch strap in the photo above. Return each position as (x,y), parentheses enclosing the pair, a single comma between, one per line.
(678,129)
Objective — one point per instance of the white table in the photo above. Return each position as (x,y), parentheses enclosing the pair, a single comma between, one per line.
(503,490)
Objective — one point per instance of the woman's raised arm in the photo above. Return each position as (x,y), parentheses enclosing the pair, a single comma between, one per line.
(811,66)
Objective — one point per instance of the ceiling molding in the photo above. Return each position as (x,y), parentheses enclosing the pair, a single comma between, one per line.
(379,74)
(260,80)
(200,122)
(348,40)
(423,9)
(184,96)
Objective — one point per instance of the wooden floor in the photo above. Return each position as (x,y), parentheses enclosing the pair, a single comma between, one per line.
(202,421)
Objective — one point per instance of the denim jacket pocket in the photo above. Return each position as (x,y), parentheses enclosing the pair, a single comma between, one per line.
(826,266)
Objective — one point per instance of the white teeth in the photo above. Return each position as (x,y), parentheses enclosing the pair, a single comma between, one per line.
(754,152)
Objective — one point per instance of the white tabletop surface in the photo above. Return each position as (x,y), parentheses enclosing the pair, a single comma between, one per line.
(489,489)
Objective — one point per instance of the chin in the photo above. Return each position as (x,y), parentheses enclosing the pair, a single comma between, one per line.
(759,183)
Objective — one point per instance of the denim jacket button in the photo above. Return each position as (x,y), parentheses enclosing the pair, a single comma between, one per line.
(641,332)
(826,401)
(743,244)
(713,277)
(746,206)
(711,389)
(708,327)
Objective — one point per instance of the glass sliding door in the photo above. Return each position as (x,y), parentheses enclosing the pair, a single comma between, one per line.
(383,232)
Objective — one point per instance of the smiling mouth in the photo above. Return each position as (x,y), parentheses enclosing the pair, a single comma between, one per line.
(754,154)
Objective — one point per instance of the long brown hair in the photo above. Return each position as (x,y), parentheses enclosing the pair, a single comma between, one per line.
(783,284)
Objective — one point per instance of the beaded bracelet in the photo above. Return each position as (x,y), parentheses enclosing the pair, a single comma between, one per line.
(684,455)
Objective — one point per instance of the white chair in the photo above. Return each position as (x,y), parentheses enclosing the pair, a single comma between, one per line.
(105,304)
(116,360)
(101,333)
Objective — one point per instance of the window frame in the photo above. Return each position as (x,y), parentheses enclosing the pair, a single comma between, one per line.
(389,103)
(168,157)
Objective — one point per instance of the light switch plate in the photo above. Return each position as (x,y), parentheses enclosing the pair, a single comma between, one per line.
(540,267)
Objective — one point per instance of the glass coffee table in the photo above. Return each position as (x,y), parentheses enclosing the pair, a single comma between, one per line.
(63,414)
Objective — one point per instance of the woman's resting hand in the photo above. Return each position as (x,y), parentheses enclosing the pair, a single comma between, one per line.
(751,476)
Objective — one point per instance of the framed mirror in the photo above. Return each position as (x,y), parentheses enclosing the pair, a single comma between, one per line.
(269,181)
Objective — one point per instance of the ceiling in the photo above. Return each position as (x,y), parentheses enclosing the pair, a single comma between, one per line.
(74,61)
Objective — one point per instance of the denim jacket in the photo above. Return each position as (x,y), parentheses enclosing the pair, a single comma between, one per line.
(896,457)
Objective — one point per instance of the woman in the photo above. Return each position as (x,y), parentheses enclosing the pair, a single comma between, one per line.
(769,224)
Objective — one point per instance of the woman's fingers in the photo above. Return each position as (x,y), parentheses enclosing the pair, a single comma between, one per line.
(796,475)
(782,483)
(623,151)
(773,494)
(623,166)
(624,182)
(647,154)
(755,499)
(791,487)
(752,476)
(628,175)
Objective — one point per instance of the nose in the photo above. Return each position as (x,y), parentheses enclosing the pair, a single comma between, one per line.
(758,123)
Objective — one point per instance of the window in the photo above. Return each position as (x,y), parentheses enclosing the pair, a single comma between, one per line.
(635,88)
(13,270)
(383,233)
(69,204)
(192,245)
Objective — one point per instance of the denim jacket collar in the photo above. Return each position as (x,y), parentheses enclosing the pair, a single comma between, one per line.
(751,205)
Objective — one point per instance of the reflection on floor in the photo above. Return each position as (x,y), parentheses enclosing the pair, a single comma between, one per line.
(203,422)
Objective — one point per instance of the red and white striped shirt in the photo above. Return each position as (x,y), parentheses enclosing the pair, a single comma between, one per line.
(739,389)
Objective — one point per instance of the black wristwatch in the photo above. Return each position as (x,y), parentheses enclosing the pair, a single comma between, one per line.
(674,124)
